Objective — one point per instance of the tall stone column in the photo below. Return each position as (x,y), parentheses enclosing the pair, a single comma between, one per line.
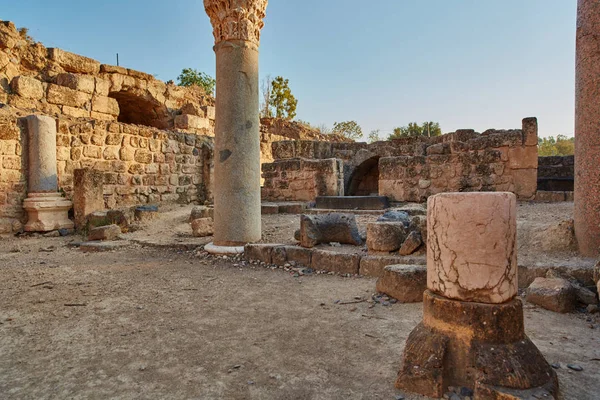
(46,209)
(472,334)
(236,27)
(587,128)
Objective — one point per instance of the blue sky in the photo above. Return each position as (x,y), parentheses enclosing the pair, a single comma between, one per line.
(384,63)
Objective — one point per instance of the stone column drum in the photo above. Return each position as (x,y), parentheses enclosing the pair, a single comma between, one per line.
(237,25)
(587,128)
(472,334)
(46,209)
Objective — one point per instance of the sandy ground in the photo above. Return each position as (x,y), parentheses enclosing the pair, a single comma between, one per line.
(158,323)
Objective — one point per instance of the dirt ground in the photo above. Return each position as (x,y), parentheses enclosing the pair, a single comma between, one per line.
(166,322)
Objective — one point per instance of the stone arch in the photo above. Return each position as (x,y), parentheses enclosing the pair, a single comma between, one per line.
(141,109)
(364,179)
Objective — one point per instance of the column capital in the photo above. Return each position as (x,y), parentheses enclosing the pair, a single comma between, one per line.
(236,19)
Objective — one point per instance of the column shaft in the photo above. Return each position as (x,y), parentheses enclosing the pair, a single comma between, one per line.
(42,173)
(587,128)
(237,145)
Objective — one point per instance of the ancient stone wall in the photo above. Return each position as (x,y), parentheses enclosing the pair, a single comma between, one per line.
(58,83)
(556,173)
(140,164)
(411,169)
(302,179)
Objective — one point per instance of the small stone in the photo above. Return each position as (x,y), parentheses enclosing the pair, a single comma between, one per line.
(202,227)
(465,391)
(555,365)
(592,308)
(108,232)
(399,397)
(575,367)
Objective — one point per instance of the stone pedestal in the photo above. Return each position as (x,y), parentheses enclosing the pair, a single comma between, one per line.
(587,128)
(46,209)
(237,25)
(472,334)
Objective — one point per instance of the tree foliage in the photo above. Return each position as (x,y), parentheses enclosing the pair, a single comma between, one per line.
(427,128)
(282,99)
(559,146)
(190,77)
(374,136)
(348,129)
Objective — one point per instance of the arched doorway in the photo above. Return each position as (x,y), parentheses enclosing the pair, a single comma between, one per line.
(141,110)
(365,179)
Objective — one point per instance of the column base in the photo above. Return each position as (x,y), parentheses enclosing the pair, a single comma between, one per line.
(47,212)
(224,250)
(475,345)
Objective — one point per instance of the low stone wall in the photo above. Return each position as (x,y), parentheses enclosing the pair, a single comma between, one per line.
(140,164)
(556,173)
(302,179)
(411,169)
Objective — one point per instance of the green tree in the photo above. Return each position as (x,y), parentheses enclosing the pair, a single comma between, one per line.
(190,77)
(559,146)
(428,128)
(282,99)
(374,136)
(348,129)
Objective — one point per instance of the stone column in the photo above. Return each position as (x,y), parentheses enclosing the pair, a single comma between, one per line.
(472,334)
(46,209)
(587,128)
(237,25)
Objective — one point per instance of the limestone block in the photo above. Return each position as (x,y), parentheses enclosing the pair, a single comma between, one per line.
(143,156)
(554,294)
(530,131)
(210,112)
(374,265)
(258,252)
(201,212)
(107,232)
(343,263)
(471,254)
(102,86)
(525,181)
(385,236)
(269,209)
(523,157)
(146,213)
(405,283)
(193,109)
(202,227)
(105,105)
(292,254)
(82,83)
(327,228)
(74,62)
(28,87)
(412,242)
(88,194)
(65,96)
(112,69)
(187,121)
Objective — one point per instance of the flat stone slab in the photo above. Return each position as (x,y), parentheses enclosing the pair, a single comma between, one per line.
(353,202)
(405,283)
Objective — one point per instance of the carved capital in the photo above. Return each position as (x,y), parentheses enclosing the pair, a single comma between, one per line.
(236,19)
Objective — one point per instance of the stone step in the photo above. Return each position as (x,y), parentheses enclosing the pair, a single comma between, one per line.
(405,283)
(353,202)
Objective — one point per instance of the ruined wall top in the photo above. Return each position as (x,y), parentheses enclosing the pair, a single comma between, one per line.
(236,19)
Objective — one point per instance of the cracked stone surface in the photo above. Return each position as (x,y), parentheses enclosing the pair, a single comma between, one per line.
(471,252)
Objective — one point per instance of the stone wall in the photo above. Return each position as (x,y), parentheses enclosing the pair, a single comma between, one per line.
(140,164)
(302,179)
(556,173)
(411,169)
(54,82)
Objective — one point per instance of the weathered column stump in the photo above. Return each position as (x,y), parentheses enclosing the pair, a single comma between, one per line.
(472,334)
(46,209)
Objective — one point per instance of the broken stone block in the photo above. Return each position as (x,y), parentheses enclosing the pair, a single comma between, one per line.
(202,212)
(343,263)
(146,213)
(109,217)
(554,294)
(395,216)
(405,283)
(28,87)
(412,242)
(386,236)
(477,261)
(259,252)
(202,227)
(107,232)
(327,228)
(291,254)
(88,194)
(374,265)
(585,295)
